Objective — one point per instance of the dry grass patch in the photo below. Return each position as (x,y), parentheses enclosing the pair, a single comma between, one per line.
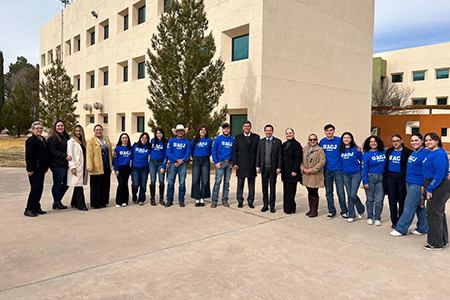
(12,151)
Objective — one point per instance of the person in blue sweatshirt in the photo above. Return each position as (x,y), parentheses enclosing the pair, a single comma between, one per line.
(333,171)
(351,159)
(222,154)
(156,164)
(140,153)
(373,168)
(122,169)
(414,182)
(201,166)
(178,151)
(435,172)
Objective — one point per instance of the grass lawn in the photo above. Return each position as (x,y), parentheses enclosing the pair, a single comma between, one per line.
(12,151)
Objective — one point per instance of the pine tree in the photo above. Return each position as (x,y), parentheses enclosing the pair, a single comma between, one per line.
(185,82)
(58,102)
(2,89)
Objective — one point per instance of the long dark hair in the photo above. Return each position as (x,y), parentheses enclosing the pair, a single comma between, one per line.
(434,137)
(352,143)
(197,136)
(163,139)
(380,143)
(148,145)
(64,133)
(119,142)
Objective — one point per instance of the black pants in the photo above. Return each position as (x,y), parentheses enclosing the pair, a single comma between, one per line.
(123,194)
(269,178)
(251,189)
(37,186)
(314,192)
(78,200)
(396,194)
(289,191)
(436,218)
(100,185)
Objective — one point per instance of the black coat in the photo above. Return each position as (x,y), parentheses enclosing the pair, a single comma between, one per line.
(36,154)
(58,151)
(244,154)
(275,154)
(291,160)
(406,152)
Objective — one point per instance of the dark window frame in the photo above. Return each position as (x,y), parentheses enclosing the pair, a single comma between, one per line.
(139,120)
(233,58)
(141,70)
(141,15)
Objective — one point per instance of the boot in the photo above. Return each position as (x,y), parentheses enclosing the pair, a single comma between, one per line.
(161,194)
(309,201)
(152,195)
(314,207)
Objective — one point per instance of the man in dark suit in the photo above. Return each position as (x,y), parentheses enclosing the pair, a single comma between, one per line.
(268,163)
(244,162)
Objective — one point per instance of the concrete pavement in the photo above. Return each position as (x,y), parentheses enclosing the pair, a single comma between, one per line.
(202,253)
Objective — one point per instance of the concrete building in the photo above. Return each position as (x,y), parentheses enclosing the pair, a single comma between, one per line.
(290,63)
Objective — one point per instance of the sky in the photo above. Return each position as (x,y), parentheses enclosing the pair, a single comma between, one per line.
(399,24)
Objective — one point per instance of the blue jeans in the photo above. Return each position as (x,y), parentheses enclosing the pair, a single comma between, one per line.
(59,187)
(139,181)
(173,171)
(155,168)
(375,195)
(337,177)
(225,173)
(351,183)
(412,206)
(201,169)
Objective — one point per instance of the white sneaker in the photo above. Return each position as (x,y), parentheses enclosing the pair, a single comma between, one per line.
(117,205)
(370,221)
(124,204)
(360,216)
(395,233)
(415,232)
(350,220)
(377,223)
(345,215)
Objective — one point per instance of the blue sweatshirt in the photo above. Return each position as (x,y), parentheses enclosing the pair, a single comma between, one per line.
(158,151)
(203,147)
(394,161)
(332,153)
(222,148)
(139,156)
(373,162)
(178,148)
(435,167)
(122,157)
(414,173)
(351,161)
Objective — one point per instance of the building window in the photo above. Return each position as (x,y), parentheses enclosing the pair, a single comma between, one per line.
(78,45)
(125,73)
(236,122)
(443,132)
(141,70)
(91,119)
(140,124)
(442,74)
(122,123)
(141,15)
(240,48)
(419,101)
(105,78)
(106,32)
(418,76)
(125,22)
(442,101)
(92,81)
(93,38)
(415,130)
(105,119)
(397,77)
(78,83)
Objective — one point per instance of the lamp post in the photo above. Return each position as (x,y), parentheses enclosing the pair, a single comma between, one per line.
(64,2)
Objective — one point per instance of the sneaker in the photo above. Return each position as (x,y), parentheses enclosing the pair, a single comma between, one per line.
(345,215)
(377,223)
(330,216)
(370,221)
(350,220)
(395,233)
(360,216)
(213,205)
(117,205)
(415,232)
(226,204)
(141,203)
(432,248)
(124,204)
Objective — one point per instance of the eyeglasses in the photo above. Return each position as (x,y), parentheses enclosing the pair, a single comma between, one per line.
(396,141)
(312,140)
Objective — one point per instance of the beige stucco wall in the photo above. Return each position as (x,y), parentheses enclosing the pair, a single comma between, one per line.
(310,61)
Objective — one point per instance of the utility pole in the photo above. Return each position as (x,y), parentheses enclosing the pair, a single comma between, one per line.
(64,2)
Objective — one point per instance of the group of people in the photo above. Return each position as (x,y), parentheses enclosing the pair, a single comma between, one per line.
(412,179)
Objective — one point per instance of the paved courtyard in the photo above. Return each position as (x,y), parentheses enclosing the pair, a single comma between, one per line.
(202,253)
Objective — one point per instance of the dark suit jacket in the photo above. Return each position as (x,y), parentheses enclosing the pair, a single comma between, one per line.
(37,154)
(275,154)
(244,154)
(291,160)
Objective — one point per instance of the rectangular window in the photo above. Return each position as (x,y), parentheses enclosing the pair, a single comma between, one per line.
(141,70)
(125,22)
(240,48)
(443,132)
(415,130)
(105,119)
(122,123)
(236,122)
(78,83)
(125,73)
(397,77)
(91,120)
(141,15)
(78,44)
(92,38)
(92,81)
(140,124)
(418,76)
(442,101)
(442,74)
(419,101)
(106,32)
(106,78)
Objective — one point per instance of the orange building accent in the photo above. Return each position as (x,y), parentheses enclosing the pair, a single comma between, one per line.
(396,124)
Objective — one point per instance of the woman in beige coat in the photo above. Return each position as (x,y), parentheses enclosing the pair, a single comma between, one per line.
(77,174)
(99,163)
(312,166)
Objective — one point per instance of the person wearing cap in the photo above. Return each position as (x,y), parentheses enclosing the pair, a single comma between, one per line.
(178,151)
(244,162)
(222,154)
